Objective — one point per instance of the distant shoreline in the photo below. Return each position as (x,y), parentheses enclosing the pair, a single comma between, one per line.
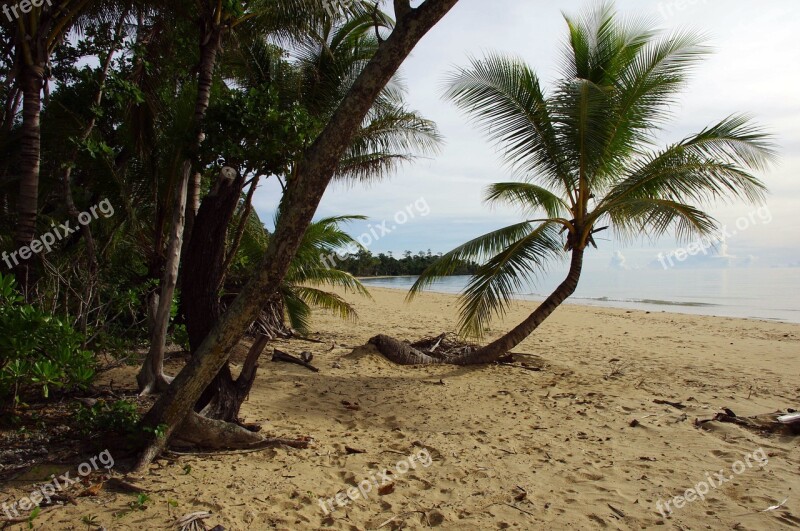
(699,304)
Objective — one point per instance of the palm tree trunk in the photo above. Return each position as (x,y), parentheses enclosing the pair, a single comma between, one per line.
(32,81)
(499,347)
(300,203)
(151,378)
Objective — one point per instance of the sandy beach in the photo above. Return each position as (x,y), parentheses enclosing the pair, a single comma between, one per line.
(498,447)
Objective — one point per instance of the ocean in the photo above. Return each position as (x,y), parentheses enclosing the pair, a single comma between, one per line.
(765,294)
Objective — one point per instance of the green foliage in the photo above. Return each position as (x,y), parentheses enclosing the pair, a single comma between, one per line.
(120,417)
(365,264)
(140,503)
(34,514)
(89,521)
(159,431)
(37,351)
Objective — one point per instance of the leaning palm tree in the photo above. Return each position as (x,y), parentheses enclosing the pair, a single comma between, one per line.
(585,156)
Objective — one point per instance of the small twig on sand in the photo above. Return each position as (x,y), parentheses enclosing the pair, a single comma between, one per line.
(518,508)
(676,405)
(308,339)
(524,367)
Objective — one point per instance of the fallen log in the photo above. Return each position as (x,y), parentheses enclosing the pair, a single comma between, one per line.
(279,355)
(764,424)
(402,353)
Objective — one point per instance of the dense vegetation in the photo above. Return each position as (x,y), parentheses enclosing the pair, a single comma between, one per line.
(366,264)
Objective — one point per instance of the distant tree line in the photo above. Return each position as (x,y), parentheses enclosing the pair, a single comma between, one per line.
(366,264)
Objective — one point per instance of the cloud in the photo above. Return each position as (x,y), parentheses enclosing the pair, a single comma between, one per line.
(619,262)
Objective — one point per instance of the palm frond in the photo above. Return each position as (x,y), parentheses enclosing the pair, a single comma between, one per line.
(297,310)
(493,287)
(478,250)
(712,165)
(323,300)
(657,217)
(530,198)
(506,101)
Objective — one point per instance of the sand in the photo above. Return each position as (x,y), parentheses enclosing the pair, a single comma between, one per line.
(508,448)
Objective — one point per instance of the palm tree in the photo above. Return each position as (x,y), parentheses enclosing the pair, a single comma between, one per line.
(584,151)
(37,32)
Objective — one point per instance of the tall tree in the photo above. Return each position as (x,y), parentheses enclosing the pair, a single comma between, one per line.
(215,19)
(39,29)
(299,203)
(584,152)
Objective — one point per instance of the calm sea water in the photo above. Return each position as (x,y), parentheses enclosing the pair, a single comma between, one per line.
(768,294)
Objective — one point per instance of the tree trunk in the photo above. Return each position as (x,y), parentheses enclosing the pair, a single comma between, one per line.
(499,347)
(151,378)
(404,354)
(298,206)
(237,237)
(32,80)
(203,262)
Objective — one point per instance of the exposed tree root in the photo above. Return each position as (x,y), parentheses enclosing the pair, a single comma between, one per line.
(443,349)
(402,353)
(212,434)
(152,382)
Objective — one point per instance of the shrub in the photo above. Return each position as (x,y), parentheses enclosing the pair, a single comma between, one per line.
(120,417)
(38,352)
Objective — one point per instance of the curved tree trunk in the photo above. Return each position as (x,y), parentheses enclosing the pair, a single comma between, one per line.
(151,378)
(32,82)
(499,347)
(404,354)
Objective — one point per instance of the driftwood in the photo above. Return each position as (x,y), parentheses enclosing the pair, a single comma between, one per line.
(764,424)
(279,355)
(442,349)
(211,434)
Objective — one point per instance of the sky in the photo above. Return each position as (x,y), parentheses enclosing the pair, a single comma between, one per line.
(436,203)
